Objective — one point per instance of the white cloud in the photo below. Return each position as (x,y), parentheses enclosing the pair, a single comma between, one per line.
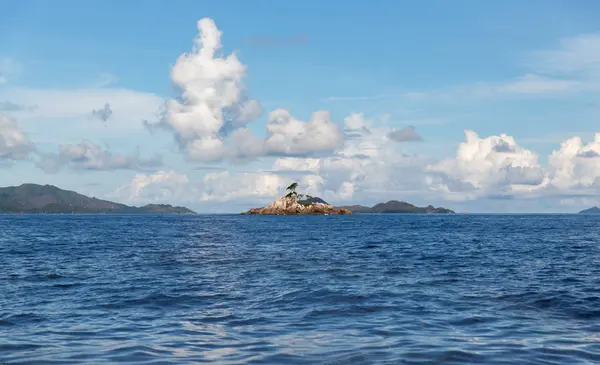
(290,136)
(369,162)
(579,55)
(9,70)
(536,84)
(485,167)
(213,102)
(106,79)
(572,66)
(89,156)
(246,145)
(575,165)
(14,144)
(159,187)
(406,134)
(67,111)
(210,116)
(297,164)
(222,186)
(264,186)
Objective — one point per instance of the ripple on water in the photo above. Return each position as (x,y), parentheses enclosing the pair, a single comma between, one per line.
(365,289)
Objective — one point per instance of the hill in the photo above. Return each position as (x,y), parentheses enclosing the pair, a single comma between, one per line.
(33,198)
(312,200)
(394,206)
(593,210)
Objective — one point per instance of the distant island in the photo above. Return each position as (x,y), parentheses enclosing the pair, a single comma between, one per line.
(47,199)
(592,210)
(295,204)
(394,206)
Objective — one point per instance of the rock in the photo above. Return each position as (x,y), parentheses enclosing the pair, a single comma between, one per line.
(291,206)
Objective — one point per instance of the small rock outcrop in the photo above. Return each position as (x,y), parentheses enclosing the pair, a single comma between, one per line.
(289,205)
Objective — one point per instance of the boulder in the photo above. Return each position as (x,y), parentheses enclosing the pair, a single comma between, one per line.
(291,206)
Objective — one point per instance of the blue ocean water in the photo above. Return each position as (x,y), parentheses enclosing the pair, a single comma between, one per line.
(363,289)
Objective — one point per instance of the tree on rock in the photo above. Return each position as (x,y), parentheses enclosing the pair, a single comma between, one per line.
(292,190)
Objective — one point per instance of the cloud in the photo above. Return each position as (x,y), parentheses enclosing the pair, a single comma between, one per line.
(536,84)
(103,114)
(572,66)
(106,79)
(261,186)
(67,109)
(216,187)
(277,42)
(496,167)
(529,84)
(222,186)
(9,70)
(245,145)
(369,165)
(159,187)
(485,167)
(291,136)
(7,106)
(14,144)
(579,55)
(210,116)
(406,134)
(576,165)
(89,156)
(212,103)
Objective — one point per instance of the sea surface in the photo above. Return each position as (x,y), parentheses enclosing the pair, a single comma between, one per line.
(362,289)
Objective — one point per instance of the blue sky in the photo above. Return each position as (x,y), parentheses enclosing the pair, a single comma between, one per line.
(529,70)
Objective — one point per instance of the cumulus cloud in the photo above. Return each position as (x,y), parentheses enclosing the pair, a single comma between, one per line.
(159,187)
(369,164)
(210,116)
(496,167)
(223,186)
(212,101)
(14,144)
(103,114)
(89,156)
(576,165)
(245,145)
(290,136)
(406,134)
(485,167)
(214,187)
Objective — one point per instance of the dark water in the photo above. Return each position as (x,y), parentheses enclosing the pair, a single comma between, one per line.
(370,289)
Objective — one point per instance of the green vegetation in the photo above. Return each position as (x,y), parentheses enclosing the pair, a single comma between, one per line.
(394,206)
(33,198)
(303,199)
(593,210)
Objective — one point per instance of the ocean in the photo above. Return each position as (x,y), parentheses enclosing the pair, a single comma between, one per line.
(362,289)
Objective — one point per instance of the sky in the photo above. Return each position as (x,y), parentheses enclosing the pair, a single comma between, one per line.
(476,106)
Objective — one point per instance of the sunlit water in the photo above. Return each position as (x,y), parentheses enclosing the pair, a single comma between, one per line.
(363,289)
